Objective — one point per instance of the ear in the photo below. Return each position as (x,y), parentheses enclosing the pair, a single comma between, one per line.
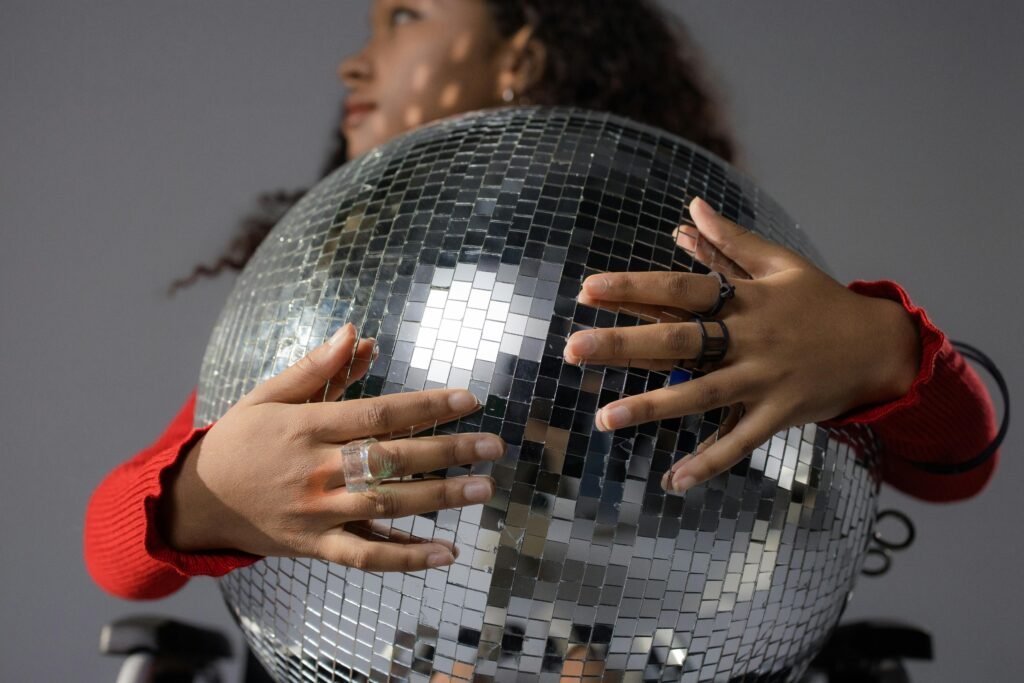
(523,62)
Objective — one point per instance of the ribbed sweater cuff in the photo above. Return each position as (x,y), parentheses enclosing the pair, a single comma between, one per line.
(216,563)
(946,417)
(932,340)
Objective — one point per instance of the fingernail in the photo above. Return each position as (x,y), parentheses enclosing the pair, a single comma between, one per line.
(477,490)
(346,330)
(613,418)
(376,350)
(683,483)
(488,448)
(583,344)
(677,465)
(440,559)
(596,285)
(699,201)
(462,401)
(664,481)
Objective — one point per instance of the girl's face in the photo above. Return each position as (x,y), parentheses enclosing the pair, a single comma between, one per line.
(425,59)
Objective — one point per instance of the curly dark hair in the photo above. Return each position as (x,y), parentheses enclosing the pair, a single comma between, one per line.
(627,58)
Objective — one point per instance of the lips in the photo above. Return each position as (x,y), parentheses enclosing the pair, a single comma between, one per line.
(355,112)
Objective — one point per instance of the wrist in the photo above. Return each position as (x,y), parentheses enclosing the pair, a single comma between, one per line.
(181,515)
(898,349)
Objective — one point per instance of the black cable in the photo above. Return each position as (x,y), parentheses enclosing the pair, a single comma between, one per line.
(972,353)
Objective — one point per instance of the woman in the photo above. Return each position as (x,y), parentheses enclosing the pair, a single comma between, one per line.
(265,479)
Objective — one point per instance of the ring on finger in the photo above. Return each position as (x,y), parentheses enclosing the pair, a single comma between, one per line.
(712,348)
(726,291)
(355,462)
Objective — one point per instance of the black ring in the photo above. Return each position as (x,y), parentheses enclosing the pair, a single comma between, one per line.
(712,349)
(726,290)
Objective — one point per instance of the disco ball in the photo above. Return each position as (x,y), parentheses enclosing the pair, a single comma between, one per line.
(461,247)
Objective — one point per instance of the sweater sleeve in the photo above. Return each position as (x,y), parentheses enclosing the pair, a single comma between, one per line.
(124,551)
(946,417)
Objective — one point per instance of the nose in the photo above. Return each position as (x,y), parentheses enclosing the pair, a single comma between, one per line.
(354,69)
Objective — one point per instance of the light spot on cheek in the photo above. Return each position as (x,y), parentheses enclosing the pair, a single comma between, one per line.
(414,115)
(420,77)
(460,46)
(379,128)
(450,95)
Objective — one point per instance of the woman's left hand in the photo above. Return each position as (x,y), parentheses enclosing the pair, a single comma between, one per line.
(803,348)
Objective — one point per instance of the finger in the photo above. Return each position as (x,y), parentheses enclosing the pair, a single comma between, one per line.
(730,421)
(714,390)
(659,341)
(756,427)
(355,419)
(404,498)
(688,238)
(365,354)
(408,432)
(397,459)
(690,291)
(308,376)
(666,479)
(750,251)
(350,549)
(657,314)
(376,530)
(417,430)
(732,418)
(635,363)
(693,242)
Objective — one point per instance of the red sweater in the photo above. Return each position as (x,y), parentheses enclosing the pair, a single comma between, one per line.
(946,416)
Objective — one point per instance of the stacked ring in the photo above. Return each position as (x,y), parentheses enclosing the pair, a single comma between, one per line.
(712,348)
(726,291)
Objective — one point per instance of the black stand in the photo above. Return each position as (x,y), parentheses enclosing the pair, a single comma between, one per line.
(870,652)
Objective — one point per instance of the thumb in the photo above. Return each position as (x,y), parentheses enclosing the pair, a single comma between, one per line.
(307,376)
(748,250)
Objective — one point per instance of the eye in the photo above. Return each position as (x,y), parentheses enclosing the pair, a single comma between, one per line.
(402,15)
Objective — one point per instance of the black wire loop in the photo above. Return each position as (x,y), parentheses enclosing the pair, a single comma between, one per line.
(974,354)
(908,525)
(882,547)
(886,559)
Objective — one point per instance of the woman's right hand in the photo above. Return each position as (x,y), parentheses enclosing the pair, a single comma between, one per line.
(268,479)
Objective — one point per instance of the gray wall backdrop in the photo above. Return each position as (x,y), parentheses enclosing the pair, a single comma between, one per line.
(133,136)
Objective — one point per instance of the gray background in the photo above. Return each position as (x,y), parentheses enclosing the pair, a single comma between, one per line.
(132,137)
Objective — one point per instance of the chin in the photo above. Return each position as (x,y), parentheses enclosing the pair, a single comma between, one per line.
(357,145)
(354,149)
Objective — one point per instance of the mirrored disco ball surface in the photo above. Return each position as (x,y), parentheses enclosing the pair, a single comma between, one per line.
(461,247)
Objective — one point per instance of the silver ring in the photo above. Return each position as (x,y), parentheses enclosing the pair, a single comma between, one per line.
(355,461)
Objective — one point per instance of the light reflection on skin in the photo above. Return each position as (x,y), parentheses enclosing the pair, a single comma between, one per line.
(575,669)
(581,667)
